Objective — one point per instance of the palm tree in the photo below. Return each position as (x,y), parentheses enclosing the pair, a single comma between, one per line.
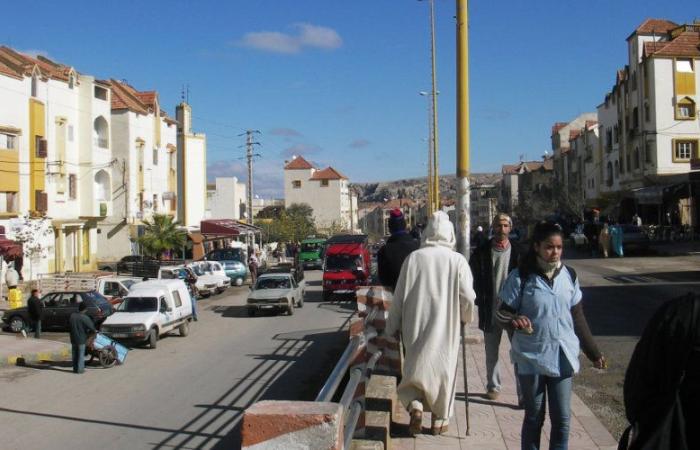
(160,235)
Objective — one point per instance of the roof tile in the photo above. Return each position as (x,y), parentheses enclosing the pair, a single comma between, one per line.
(328,173)
(298,163)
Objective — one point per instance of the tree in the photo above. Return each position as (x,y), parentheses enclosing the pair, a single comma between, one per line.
(293,224)
(270,212)
(161,235)
(31,233)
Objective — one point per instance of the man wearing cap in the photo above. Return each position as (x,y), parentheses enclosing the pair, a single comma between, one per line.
(491,263)
(391,256)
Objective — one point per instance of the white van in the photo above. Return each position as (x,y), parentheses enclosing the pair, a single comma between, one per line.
(150,310)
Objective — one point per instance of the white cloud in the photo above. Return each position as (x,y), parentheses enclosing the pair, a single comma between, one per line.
(305,36)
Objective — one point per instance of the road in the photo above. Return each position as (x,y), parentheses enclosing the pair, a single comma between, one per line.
(189,392)
(619,296)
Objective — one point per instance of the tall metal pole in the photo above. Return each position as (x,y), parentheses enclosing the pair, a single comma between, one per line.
(429,203)
(249,156)
(436,172)
(463,211)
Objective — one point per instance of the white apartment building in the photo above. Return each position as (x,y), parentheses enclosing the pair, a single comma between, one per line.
(326,191)
(649,122)
(226,199)
(561,138)
(55,159)
(143,140)
(583,162)
(192,169)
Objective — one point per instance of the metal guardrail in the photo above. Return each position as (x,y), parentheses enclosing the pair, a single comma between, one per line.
(352,409)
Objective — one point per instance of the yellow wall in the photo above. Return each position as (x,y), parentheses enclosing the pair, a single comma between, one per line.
(685,81)
(9,168)
(37,127)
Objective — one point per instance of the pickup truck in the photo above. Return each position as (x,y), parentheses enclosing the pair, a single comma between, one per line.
(114,288)
(152,309)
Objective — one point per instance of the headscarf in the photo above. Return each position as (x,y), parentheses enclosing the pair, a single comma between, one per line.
(439,232)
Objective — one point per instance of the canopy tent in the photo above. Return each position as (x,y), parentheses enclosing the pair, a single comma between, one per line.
(227,227)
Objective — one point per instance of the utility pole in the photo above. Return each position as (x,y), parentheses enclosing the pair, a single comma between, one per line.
(463,207)
(249,156)
(436,172)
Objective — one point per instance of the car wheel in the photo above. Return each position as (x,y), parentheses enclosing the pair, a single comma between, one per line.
(17,324)
(290,308)
(184,329)
(108,357)
(251,312)
(239,281)
(153,338)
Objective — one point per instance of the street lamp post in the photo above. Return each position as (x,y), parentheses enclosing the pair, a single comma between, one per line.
(434,134)
(463,212)
(429,204)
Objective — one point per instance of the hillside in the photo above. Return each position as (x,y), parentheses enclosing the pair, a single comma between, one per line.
(416,188)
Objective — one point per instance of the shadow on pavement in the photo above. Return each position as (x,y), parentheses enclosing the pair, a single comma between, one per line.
(294,370)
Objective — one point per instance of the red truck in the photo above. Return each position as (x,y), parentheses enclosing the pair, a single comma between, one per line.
(346,264)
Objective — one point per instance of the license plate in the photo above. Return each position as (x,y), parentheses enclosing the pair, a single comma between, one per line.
(266,306)
(119,335)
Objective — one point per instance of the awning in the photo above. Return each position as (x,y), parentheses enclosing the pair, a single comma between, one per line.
(10,249)
(227,227)
(654,195)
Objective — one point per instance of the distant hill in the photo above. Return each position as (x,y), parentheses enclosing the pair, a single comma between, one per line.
(416,188)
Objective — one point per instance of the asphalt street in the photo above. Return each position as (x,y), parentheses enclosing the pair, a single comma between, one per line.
(619,296)
(189,392)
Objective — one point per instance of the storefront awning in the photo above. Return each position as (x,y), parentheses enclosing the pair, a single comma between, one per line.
(10,249)
(227,227)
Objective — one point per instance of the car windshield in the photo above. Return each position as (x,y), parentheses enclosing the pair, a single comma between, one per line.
(199,270)
(311,246)
(128,283)
(139,304)
(343,262)
(273,283)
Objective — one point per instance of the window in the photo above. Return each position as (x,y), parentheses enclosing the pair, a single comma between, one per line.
(178,300)
(40,147)
(8,202)
(685,109)
(684,65)
(100,93)
(112,289)
(71,81)
(72,186)
(684,150)
(155,156)
(324,183)
(35,85)
(296,184)
(8,141)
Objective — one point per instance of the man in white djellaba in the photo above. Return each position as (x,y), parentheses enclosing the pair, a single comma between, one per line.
(433,299)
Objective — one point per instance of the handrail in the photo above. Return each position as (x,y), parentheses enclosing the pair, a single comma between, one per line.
(358,373)
(351,423)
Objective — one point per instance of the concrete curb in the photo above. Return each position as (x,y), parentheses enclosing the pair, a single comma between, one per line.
(17,358)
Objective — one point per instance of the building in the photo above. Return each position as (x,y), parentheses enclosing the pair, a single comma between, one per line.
(649,126)
(483,204)
(326,191)
(56,159)
(561,138)
(143,141)
(375,222)
(192,169)
(528,187)
(226,199)
(261,203)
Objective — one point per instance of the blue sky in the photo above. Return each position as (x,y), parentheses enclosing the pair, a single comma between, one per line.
(338,81)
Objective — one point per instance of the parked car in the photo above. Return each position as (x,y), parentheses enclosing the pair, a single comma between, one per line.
(114,288)
(58,306)
(346,266)
(634,236)
(275,292)
(152,309)
(207,284)
(233,261)
(137,265)
(215,269)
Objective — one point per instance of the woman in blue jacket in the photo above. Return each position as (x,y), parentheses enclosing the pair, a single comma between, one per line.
(541,300)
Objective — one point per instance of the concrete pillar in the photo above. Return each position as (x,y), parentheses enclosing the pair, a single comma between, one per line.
(287,424)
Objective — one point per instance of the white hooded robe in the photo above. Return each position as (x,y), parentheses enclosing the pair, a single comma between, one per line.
(433,294)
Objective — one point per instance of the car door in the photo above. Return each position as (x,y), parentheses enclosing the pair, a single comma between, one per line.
(165,315)
(48,318)
(67,304)
(296,290)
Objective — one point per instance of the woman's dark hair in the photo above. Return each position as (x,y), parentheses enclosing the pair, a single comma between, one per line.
(543,231)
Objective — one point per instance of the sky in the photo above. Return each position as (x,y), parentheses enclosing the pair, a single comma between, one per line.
(338,82)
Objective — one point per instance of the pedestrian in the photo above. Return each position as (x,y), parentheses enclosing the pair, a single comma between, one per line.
(80,327)
(433,298)
(636,220)
(490,264)
(11,277)
(392,254)
(253,267)
(35,309)
(480,237)
(541,301)
(604,240)
(662,382)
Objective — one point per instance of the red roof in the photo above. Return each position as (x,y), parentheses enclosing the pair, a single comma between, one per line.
(685,44)
(328,173)
(18,64)
(573,134)
(510,169)
(125,96)
(590,123)
(658,26)
(558,126)
(298,163)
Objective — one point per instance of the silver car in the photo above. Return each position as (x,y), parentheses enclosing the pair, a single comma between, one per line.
(277,292)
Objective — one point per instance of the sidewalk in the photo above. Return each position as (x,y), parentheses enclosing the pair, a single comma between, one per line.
(676,248)
(496,424)
(31,350)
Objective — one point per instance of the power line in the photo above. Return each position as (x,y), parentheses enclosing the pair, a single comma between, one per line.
(249,156)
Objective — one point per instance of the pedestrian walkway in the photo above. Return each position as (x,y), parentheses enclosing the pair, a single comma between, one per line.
(496,424)
(14,348)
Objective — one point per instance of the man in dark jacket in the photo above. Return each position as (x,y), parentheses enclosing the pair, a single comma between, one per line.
(491,263)
(80,327)
(35,309)
(391,256)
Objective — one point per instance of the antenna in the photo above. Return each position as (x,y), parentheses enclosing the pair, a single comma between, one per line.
(182,93)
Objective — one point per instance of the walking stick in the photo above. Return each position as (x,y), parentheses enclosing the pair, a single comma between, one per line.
(464,370)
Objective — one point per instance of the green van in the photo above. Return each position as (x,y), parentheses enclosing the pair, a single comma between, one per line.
(311,253)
